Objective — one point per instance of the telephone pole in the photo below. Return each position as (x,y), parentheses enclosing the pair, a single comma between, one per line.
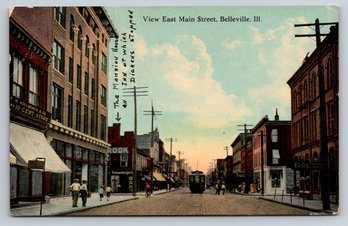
(134,92)
(153,114)
(247,182)
(322,112)
(169,170)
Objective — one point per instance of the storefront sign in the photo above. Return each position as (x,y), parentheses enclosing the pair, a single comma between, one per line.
(121,172)
(306,165)
(19,107)
(116,150)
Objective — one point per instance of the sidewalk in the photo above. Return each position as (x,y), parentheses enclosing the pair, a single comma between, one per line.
(63,205)
(299,202)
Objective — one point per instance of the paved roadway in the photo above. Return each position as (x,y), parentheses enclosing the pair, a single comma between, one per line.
(183,203)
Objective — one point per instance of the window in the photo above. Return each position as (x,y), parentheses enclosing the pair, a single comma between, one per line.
(329,73)
(102,127)
(79,38)
(103,96)
(58,57)
(94,54)
(85,119)
(104,63)
(71,70)
(17,83)
(86,83)
(86,47)
(70,110)
(78,115)
(275,156)
(274,135)
(275,175)
(92,123)
(93,89)
(124,158)
(78,77)
(71,28)
(57,102)
(59,15)
(33,86)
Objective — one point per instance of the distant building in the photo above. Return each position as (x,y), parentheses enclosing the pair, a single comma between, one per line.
(238,164)
(305,118)
(274,145)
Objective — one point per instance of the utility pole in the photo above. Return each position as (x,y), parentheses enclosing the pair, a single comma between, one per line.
(247,182)
(324,178)
(134,92)
(153,113)
(169,170)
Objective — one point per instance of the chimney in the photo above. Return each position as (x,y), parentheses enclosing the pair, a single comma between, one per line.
(276,117)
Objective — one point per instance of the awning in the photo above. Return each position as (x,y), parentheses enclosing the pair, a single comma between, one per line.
(29,144)
(158,176)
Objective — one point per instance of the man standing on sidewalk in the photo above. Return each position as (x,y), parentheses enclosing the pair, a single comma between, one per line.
(75,188)
(84,192)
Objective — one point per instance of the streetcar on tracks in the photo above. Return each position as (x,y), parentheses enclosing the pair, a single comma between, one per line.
(197,182)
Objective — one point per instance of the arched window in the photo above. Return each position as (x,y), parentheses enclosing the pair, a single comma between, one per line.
(71,28)
(86,47)
(315,157)
(305,90)
(94,54)
(307,159)
(315,83)
(79,38)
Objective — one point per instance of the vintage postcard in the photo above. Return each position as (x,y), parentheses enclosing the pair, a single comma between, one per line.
(174,111)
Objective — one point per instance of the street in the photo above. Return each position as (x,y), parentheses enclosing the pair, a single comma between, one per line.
(183,203)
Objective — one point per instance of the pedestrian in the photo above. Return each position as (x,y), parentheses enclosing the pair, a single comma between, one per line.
(84,192)
(108,191)
(101,192)
(147,189)
(223,188)
(75,188)
(218,188)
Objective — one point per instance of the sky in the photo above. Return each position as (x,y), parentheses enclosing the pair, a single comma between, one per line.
(209,77)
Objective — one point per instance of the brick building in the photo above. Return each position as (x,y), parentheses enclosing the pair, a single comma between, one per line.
(77,89)
(30,38)
(272,138)
(305,117)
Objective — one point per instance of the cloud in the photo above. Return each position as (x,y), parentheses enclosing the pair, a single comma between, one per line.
(231,45)
(258,37)
(286,53)
(182,75)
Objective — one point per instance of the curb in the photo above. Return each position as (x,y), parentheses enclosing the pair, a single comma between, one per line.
(292,205)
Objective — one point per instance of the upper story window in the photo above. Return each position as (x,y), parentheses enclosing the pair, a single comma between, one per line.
(103,95)
(103,127)
(57,102)
(33,86)
(79,38)
(329,75)
(275,156)
(71,70)
(86,83)
(94,54)
(59,15)
(93,89)
(124,158)
(86,47)
(78,77)
(274,135)
(71,28)
(104,63)
(17,83)
(58,57)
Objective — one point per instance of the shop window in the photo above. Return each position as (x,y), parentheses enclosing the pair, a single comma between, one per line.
(78,153)
(275,176)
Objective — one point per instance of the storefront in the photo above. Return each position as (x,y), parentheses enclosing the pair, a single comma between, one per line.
(122,181)
(27,144)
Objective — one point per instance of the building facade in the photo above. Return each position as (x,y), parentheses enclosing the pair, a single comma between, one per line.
(306,118)
(30,38)
(77,89)
(271,143)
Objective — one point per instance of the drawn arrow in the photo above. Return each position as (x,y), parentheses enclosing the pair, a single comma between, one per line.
(118,118)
